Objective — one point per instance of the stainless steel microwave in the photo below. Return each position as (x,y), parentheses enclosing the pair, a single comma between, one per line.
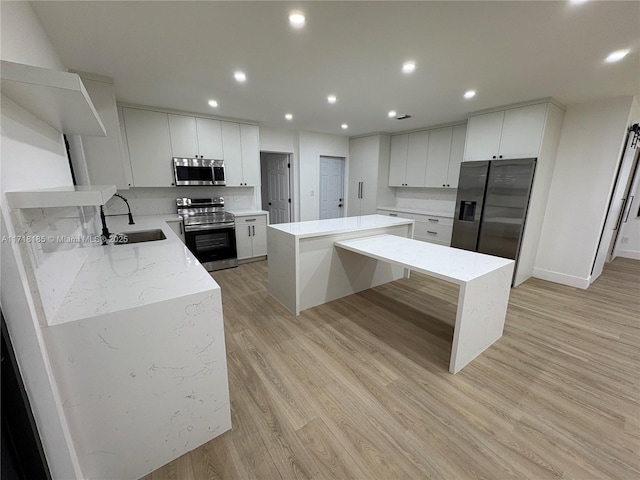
(198,171)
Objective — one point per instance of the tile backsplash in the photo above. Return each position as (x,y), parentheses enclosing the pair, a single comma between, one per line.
(160,201)
(435,199)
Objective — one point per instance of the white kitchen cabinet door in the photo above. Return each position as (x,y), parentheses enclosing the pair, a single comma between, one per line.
(232,149)
(209,138)
(455,156)
(183,135)
(398,160)
(250,151)
(260,239)
(418,143)
(244,241)
(177,227)
(251,236)
(438,157)
(522,131)
(149,147)
(483,136)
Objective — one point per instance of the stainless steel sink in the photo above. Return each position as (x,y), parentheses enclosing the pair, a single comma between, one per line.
(138,236)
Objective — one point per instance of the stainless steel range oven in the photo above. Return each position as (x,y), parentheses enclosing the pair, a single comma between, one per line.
(209,231)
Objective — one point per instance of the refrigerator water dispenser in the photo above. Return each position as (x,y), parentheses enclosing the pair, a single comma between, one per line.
(467,211)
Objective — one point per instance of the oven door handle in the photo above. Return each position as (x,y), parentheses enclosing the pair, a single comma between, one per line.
(211,226)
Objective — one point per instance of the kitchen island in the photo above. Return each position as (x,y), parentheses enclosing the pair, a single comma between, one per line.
(138,354)
(311,263)
(306,270)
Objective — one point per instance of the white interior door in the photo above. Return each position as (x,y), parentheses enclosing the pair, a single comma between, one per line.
(331,187)
(278,199)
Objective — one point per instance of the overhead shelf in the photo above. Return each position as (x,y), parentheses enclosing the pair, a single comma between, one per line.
(57,98)
(71,196)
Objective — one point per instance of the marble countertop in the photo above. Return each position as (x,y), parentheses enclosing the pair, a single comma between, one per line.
(248,211)
(419,211)
(448,263)
(120,277)
(314,228)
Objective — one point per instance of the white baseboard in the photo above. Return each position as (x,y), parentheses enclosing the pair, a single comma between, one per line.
(563,278)
(628,254)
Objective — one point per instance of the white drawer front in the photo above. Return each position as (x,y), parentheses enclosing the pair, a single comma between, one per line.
(252,220)
(433,232)
(433,220)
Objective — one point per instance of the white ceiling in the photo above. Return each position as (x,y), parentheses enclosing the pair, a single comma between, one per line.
(178,55)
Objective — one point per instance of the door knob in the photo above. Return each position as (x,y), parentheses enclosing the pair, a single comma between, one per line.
(269,203)
(340,205)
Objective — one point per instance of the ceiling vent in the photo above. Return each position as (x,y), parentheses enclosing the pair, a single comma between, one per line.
(402,116)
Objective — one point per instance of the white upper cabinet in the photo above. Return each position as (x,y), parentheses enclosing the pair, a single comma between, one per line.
(194,137)
(512,133)
(522,131)
(483,136)
(438,157)
(149,147)
(183,135)
(456,154)
(232,149)
(416,159)
(398,160)
(250,150)
(429,158)
(209,134)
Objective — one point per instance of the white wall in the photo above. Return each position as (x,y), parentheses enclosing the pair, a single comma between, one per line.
(306,149)
(590,146)
(29,145)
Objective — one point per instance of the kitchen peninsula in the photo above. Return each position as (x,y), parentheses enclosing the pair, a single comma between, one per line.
(137,348)
(311,263)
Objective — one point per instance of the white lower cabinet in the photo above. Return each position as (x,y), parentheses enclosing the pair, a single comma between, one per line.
(427,228)
(251,236)
(178,227)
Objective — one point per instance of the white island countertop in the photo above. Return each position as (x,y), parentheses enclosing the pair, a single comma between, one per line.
(314,228)
(119,277)
(452,264)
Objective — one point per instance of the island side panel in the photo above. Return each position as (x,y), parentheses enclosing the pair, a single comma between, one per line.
(482,308)
(282,261)
(150,380)
(327,273)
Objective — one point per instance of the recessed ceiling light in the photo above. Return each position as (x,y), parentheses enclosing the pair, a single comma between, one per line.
(288,116)
(332,99)
(408,67)
(392,113)
(575,2)
(344,126)
(616,56)
(296,19)
(240,76)
(213,103)
(469,94)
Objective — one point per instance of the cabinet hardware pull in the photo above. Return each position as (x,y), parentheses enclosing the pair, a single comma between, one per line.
(249,228)
(250,220)
(432,233)
(253,230)
(629,210)
(435,220)
(393,214)
(180,223)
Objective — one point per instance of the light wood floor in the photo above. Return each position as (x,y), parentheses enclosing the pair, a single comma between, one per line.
(359,388)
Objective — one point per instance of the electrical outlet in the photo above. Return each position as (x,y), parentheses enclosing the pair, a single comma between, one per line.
(624,241)
(313,193)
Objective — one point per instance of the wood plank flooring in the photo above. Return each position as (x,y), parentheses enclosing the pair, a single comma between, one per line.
(359,388)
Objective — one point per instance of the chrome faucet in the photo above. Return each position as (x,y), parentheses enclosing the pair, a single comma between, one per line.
(105,231)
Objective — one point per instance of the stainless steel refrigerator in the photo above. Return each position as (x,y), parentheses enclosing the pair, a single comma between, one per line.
(491,206)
